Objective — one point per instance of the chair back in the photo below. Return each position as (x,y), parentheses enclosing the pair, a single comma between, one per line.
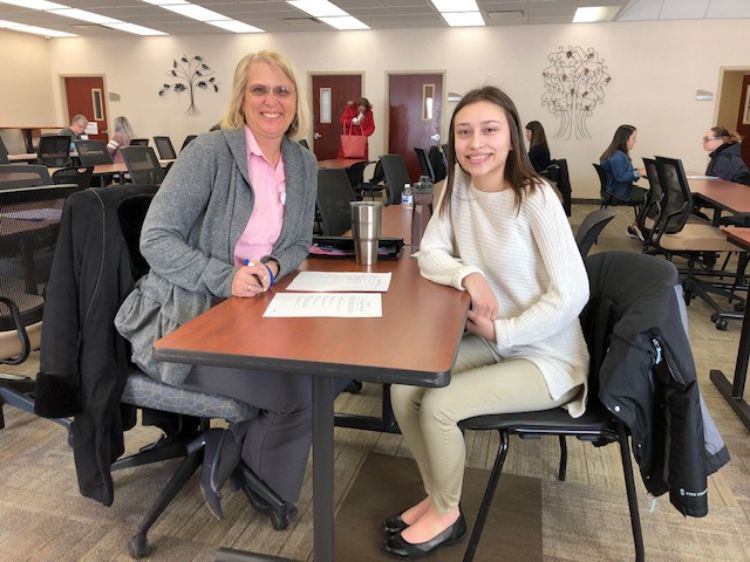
(187,141)
(592,225)
(23,175)
(92,152)
(424,163)
(80,176)
(29,226)
(3,153)
(677,201)
(334,195)
(396,176)
(165,148)
(557,171)
(143,165)
(356,174)
(54,150)
(602,181)
(138,142)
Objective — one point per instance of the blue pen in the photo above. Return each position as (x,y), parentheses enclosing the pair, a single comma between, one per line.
(257,277)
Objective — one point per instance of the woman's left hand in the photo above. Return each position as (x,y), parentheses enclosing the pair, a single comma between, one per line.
(481,325)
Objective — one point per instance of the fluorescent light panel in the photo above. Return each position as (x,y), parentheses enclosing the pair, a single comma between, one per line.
(595,14)
(235,26)
(13,26)
(343,23)
(34,4)
(445,6)
(318,8)
(83,15)
(463,19)
(204,15)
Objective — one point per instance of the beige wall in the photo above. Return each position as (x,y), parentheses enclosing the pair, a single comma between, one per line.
(656,68)
(729,102)
(26,96)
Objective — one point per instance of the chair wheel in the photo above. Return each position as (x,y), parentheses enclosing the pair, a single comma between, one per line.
(714,317)
(138,547)
(279,521)
(721,324)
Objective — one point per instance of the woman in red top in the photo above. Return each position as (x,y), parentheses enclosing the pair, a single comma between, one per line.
(357,120)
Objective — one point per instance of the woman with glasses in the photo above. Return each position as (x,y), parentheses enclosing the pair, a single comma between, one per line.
(357,120)
(233,216)
(725,153)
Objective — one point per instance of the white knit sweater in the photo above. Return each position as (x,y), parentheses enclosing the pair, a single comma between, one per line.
(531,262)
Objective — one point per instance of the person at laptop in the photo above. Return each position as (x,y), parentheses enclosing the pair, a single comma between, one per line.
(76,129)
(500,234)
(121,138)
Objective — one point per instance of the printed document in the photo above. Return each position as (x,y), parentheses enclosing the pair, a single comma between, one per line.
(336,305)
(340,281)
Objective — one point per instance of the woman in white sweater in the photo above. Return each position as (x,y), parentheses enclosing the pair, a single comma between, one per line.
(501,234)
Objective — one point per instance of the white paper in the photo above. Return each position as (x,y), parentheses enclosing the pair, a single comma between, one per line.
(702,177)
(340,281)
(336,305)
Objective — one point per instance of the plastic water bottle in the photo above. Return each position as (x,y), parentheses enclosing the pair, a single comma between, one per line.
(422,210)
(407,197)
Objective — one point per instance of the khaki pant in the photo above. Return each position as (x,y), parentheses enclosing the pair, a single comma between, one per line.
(480,385)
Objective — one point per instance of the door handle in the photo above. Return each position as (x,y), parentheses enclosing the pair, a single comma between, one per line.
(435,137)
(317,135)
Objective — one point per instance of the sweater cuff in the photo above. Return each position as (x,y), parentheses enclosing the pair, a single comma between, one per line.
(503,334)
(461,274)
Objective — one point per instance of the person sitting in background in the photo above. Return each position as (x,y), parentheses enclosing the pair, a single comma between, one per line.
(122,136)
(620,172)
(357,120)
(725,154)
(75,131)
(538,147)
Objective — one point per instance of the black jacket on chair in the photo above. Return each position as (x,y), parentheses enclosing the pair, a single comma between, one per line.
(84,361)
(648,380)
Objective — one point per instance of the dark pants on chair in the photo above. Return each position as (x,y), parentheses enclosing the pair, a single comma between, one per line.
(274,444)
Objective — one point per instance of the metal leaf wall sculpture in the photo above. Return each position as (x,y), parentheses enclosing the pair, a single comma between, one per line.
(190,74)
(574,85)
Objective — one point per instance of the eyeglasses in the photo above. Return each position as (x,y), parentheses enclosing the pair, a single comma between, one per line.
(260,91)
(709,139)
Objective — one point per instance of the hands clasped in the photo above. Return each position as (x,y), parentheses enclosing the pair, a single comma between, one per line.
(484,307)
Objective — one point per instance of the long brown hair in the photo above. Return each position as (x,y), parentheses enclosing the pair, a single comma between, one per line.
(537,133)
(518,171)
(619,142)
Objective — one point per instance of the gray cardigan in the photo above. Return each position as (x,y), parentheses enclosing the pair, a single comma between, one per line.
(190,232)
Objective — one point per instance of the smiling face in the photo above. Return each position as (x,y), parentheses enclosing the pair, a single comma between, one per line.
(482,143)
(268,112)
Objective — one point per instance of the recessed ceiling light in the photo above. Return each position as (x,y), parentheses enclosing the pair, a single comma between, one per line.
(195,12)
(13,26)
(595,13)
(318,8)
(83,15)
(34,4)
(463,19)
(344,23)
(134,29)
(455,5)
(235,26)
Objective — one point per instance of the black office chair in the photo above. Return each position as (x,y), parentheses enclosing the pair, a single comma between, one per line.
(396,176)
(54,150)
(92,152)
(557,172)
(3,153)
(165,148)
(138,142)
(588,233)
(23,175)
(376,185)
(29,226)
(438,162)
(424,163)
(356,174)
(607,199)
(600,319)
(187,141)
(114,217)
(80,176)
(334,196)
(143,165)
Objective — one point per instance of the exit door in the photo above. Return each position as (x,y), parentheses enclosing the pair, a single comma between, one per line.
(85,96)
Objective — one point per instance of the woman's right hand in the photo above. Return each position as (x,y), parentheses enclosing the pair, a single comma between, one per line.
(483,300)
(250,280)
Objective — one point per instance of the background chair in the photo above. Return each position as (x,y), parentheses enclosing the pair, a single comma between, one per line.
(356,174)
(165,148)
(375,185)
(438,162)
(396,176)
(334,195)
(93,152)
(608,200)
(138,142)
(557,172)
(599,320)
(23,175)
(3,153)
(80,176)
(591,227)
(143,165)
(29,226)
(424,163)
(187,141)
(54,150)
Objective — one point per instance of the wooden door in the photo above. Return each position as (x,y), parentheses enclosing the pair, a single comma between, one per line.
(743,118)
(415,107)
(85,95)
(330,92)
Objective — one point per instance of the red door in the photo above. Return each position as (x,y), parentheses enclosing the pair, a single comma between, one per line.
(743,118)
(330,92)
(86,96)
(415,104)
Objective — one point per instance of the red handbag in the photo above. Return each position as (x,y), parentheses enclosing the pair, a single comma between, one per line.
(353,146)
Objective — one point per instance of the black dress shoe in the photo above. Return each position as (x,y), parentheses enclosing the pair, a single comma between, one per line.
(394,524)
(211,452)
(397,546)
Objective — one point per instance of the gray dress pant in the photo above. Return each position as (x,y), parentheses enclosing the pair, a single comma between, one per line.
(274,444)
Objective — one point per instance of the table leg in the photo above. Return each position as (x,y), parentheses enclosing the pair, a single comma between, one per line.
(28,140)
(733,393)
(323,468)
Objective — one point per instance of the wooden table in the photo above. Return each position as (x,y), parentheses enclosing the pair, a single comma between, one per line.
(414,342)
(733,393)
(339,163)
(723,195)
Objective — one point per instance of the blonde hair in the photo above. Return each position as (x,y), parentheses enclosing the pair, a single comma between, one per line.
(234,116)
(122,125)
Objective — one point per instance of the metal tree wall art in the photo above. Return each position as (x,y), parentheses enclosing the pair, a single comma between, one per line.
(574,84)
(190,74)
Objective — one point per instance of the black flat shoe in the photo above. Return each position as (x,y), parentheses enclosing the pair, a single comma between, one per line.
(394,524)
(397,546)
